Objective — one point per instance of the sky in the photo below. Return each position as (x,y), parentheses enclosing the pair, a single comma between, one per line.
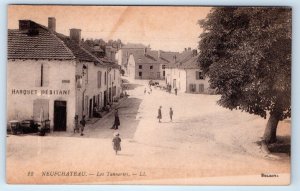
(163,28)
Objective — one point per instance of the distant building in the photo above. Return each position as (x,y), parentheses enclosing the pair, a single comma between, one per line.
(185,74)
(149,64)
(51,76)
(124,52)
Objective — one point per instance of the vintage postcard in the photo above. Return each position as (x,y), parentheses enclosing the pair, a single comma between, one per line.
(163,95)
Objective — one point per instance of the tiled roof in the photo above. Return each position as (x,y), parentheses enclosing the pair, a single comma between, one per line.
(185,60)
(152,57)
(79,52)
(45,45)
(104,61)
(167,57)
(190,63)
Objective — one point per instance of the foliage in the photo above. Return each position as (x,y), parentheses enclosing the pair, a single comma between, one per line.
(246,53)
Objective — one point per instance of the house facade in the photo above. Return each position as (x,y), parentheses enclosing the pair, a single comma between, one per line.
(50,76)
(149,64)
(185,75)
(124,53)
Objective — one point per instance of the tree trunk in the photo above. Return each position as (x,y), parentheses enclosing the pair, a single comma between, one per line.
(271,128)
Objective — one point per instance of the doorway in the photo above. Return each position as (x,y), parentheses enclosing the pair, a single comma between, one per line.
(60,116)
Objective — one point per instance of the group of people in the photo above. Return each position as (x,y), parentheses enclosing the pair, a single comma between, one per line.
(159,116)
(169,89)
(149,91)
(82,123)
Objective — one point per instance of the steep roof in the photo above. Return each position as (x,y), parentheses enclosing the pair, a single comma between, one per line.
(153,57)
(79,52)
(44,44)
(185,60)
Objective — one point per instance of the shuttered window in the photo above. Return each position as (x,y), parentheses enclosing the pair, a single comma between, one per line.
(99,77)
(199,75)
(201,88)
(40,109)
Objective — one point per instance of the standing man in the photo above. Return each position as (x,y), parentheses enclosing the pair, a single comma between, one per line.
(116,121)
(175,91)
(171,113)
(82,122)
(159,116)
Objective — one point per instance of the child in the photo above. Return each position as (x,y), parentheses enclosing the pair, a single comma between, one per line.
(116,143)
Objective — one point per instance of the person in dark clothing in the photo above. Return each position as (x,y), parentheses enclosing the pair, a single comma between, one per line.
(116,121)
(117,143)
(175,91)
(159,116)
(171,113)
(82,122)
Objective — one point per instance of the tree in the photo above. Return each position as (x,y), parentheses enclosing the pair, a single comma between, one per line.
(246,53)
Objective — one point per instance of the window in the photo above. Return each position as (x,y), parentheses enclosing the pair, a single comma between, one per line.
(163,66)
(151,67)
(105,78)
(114,74)
(140,67)
(199,75)
(40,109)
(140,74)
(99,77)
(192,87)
(201,88)
(164,73)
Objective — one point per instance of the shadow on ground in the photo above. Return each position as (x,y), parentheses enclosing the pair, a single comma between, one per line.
(130,86)
(283,145)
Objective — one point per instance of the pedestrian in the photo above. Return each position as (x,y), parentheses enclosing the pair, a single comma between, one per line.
(145,91)
(116,121)
(116,142)
(171,113)
(76,126)
(175,91)
(159,116)
(82,122)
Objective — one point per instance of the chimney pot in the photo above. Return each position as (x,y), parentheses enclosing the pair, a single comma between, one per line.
(75,34)
(195,52)
(29,27)
(52,24)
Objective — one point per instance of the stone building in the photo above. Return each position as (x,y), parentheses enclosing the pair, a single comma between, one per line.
(149,64)
(185,74)
(51,76)
(125,51)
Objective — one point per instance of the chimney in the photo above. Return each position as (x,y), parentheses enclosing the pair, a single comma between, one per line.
(195,52)
(75,34)
(52,24)
(29,27)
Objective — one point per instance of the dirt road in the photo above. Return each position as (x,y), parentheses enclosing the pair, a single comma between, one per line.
(204,144)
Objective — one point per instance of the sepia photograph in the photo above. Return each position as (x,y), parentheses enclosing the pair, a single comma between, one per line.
(148,95)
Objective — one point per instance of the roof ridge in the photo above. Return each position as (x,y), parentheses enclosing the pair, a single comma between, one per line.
(62,42)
